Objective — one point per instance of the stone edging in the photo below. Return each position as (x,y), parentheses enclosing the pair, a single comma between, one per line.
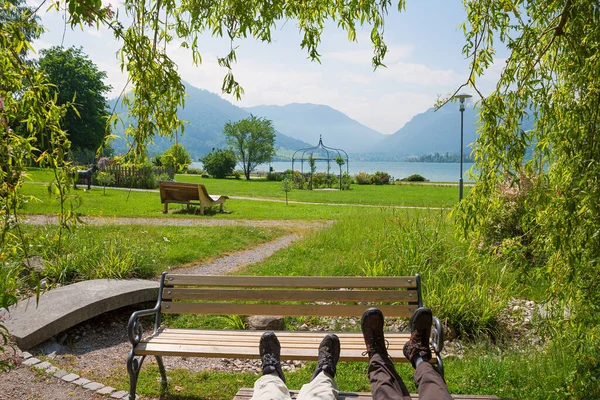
(97,388)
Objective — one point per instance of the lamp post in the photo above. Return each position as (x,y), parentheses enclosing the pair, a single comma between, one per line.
(462,98)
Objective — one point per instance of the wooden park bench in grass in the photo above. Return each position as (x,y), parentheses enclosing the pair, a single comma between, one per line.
(189,194)
(272,295)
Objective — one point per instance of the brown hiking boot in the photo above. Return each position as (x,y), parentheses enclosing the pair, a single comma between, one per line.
(372,323)
(270,352)
(417,348)
(329,354)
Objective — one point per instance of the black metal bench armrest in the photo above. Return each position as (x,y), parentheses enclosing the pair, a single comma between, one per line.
(134,328)
(438,335)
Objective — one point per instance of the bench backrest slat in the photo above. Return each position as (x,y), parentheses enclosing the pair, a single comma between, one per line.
(324,310)
(406,282)
(291,295)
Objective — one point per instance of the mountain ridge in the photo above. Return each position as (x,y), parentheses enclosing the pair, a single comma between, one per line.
(206,114)
(311,121)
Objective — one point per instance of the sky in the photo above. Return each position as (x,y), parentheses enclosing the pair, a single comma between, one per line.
(424,61)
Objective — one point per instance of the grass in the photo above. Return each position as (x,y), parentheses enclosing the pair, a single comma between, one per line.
(385,195)
(468,294)
(404,195)
(122,203)
(124,251)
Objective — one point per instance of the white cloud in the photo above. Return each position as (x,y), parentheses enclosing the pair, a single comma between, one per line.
(420,74)
(364,56)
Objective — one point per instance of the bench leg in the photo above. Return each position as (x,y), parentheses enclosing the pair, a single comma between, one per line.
(166,208)
(134,364)
(163,374)
(221,208)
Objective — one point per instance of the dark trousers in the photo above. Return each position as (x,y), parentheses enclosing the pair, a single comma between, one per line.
(387,384)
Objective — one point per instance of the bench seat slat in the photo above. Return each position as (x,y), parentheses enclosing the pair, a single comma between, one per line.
(291,295)
(168,307)
(244,344)
(389,282)
(246,394)
(217,351)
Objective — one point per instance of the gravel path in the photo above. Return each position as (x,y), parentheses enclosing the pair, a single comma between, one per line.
(43,219)
(239,259)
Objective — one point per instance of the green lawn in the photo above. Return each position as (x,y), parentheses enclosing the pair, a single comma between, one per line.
(404,195)
(400,195)
(123,203)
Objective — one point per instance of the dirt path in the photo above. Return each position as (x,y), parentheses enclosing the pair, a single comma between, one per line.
(44,219)
(239,259)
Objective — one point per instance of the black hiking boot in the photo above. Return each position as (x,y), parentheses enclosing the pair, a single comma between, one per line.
(329,354)
(270,352)
(371,324)
(417,348)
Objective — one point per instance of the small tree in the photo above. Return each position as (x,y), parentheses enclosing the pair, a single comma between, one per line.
(286,186)
(252,140)
(176,157)
(105,179)
(219,163)
(340,161)
(313,169)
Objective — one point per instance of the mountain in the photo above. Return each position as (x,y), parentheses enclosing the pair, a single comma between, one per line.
(430,132)
(434,132)
(206,114)
(309,121)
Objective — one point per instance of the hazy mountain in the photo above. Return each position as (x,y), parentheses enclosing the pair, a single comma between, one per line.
(430,132)
(434,131)
(308,121)
(206,114)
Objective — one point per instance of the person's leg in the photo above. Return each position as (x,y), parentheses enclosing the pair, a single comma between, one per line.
(270,386)
(429,382)
(385,381)
(322,385)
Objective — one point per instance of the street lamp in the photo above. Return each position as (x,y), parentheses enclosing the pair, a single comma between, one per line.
(462,98)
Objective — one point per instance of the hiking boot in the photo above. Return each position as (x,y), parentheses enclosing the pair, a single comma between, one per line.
(270,352)
(371,325)
(329,354)
(417,348)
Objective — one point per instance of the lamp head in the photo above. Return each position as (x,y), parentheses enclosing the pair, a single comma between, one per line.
(462,98)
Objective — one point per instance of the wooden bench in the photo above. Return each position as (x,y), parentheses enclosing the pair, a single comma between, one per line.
(188,193)
(277,296)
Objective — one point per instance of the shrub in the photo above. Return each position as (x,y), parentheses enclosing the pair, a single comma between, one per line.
(298,180)
(415,178)
(237,174)
(219,163)
(275,176)
(380,178)
(195,171)
(178,156)
(362,178)
(346,181)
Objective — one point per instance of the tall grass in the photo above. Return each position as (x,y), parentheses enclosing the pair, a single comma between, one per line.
(468,295)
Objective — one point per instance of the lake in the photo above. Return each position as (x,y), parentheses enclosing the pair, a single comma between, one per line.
(435,172)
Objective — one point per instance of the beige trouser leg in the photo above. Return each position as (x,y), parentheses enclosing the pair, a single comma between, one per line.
(323,387)
(270,387)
